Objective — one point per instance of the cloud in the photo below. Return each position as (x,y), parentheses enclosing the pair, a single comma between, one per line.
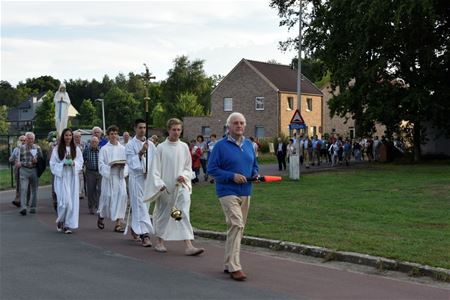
(89,39)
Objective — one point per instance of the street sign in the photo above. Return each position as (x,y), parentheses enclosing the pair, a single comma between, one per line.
(297,118)
(297,126)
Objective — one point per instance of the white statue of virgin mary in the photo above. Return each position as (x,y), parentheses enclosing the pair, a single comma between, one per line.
(62,103)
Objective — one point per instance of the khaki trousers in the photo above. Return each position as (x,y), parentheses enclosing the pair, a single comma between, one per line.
(235,209)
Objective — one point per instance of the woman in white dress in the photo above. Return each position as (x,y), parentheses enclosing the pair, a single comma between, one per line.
(65,163)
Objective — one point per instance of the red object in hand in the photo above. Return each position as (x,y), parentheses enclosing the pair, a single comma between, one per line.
(265,178)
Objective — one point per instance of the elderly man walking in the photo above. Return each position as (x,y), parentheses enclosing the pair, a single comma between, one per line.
(93,177)
(232,163)
(27,160)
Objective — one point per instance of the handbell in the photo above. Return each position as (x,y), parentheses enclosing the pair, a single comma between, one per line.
(176,214)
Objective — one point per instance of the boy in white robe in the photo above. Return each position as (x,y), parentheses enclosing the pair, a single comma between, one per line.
(113,197)
(65,168)
(171,174)
(138,150)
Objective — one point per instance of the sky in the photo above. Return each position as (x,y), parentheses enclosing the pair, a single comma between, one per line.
(81,39)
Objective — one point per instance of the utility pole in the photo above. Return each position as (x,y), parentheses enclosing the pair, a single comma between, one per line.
(299,76)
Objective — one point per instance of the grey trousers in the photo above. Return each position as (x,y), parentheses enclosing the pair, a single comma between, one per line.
(17,178)
(28,177)
(93,182)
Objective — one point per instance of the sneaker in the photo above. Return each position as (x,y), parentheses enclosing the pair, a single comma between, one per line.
(160,248)
(194,251)
(23,212)
(16,203)
(67,230)
(32,210)
(59,226)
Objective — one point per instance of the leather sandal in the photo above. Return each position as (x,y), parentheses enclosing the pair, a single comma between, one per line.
(118,228)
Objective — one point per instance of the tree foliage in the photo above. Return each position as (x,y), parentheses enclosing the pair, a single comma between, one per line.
(185,92)
(121,109)
(389,58)
(45,114)
(188,106)
(87,117)
(186,77)
(41,84)
(3,124)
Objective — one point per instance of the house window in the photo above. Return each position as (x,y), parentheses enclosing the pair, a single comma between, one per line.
(259,103)
(312,131)
(290,103)
(227,104)
(206,131)
(309,104)
(259,131)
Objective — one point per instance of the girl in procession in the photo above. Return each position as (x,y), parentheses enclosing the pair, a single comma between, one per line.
(65,164)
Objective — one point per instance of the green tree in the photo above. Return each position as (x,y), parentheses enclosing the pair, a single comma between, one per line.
(389,58)
(45,114)
(186,77)
(121,109)
(159,116)
(41,84)
(3,123)
(87,117)
(8,94)
(188,106)
(312,68)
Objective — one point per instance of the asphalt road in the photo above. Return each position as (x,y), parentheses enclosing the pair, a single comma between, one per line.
(39,263)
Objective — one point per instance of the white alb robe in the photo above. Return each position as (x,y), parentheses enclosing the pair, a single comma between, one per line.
(67,187)
(62,103)
(140,218)
(113,196)
(172,159)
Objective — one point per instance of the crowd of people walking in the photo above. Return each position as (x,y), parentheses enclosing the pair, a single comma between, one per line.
(121,180)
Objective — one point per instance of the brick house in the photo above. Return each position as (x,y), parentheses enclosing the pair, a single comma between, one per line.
(266,94)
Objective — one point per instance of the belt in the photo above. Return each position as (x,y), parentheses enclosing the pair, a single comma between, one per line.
(28,167)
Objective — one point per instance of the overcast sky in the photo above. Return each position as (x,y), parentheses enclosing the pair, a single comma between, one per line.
(70,40)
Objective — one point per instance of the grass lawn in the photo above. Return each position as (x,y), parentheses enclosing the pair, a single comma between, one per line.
(396,211)
(5,178)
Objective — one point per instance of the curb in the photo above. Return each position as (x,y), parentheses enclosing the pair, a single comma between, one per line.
(381,263)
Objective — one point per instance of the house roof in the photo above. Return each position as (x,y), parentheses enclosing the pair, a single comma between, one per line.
(13,112)
(27,103)
(283,77)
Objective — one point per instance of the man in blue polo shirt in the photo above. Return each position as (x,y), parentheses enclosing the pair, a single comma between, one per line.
(232,163)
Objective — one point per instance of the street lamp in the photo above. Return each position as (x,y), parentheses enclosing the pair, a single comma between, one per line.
(103,112)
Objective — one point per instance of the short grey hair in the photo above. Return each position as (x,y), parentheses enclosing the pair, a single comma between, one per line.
(29,133)
(234,115)
(96,127)
(76,133)
(94,138)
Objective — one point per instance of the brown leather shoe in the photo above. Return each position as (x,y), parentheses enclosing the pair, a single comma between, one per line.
(238,275)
